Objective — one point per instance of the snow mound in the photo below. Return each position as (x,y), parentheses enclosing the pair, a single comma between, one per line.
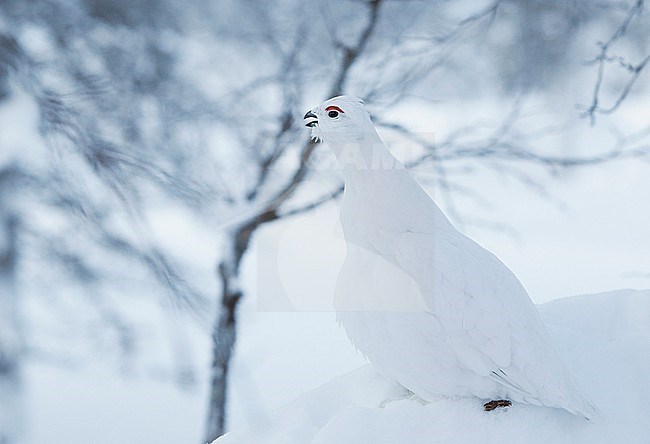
(604,339)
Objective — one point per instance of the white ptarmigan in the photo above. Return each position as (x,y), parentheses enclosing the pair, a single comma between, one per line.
(429,307)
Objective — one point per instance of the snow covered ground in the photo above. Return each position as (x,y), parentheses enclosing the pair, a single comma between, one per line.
(603,338)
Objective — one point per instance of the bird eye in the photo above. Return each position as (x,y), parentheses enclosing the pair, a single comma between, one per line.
(333,111)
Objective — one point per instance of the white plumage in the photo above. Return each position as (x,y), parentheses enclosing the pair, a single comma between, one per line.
(428,306)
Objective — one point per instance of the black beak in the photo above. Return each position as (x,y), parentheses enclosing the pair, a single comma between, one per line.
(311,123)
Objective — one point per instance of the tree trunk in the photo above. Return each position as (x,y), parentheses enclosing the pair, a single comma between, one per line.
(10,343)
(224,333)
(223,342)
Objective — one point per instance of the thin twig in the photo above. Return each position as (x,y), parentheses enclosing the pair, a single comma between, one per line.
(604,58)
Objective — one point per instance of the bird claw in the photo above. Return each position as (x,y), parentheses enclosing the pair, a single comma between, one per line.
(489,406)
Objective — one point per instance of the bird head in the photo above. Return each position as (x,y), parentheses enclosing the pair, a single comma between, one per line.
(339,117)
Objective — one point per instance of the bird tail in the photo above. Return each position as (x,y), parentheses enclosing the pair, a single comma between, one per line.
(577,404)
(581,406)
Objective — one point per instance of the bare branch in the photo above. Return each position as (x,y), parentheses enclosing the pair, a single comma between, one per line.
(604,58)
(350,56)
(312,205)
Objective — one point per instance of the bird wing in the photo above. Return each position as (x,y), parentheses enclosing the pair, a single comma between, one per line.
(483,308)
(489,323)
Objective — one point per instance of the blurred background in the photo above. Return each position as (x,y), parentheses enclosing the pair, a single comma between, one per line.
(169,237)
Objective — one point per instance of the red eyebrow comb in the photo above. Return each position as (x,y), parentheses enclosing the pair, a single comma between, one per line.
(334,108)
